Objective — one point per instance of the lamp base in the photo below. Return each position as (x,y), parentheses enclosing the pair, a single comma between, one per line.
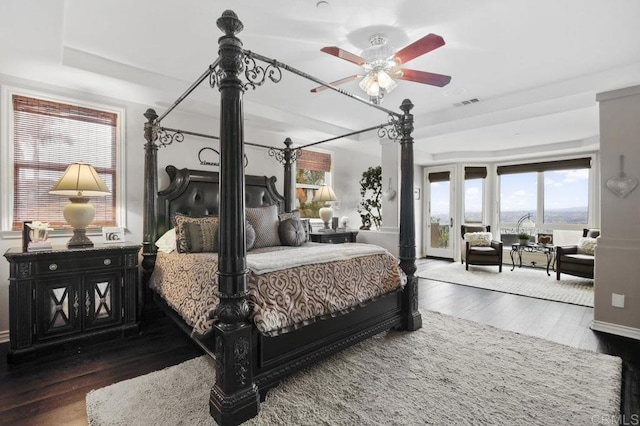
(326,213)
(79,239)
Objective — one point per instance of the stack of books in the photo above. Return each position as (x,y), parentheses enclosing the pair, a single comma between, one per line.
(39,246)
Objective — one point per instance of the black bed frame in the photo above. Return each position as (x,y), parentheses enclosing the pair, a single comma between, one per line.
(247,362)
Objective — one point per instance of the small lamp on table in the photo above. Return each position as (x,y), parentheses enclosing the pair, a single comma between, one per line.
(325,195)
(79,182)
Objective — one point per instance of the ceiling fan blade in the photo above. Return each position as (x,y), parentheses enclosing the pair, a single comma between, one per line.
(336,83)
(343,54)
(419,47)
(439,80)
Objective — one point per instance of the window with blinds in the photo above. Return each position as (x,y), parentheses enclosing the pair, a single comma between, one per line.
(47,137)
(557,189)
(474,193)
(312,170)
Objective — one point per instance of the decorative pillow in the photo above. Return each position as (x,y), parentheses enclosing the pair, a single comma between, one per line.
(167,243)
(265,222)
(250,234)
(478,239)
(587,245)
(306,223)
(291,232)
(289,215)
(196,234)
(593,233)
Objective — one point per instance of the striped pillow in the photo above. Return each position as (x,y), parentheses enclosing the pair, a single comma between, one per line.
(196,234)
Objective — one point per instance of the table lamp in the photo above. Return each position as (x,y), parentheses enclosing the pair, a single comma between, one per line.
(325,195)
(79,182)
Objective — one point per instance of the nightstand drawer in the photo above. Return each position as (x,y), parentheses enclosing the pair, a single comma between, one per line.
(334,237)
(338,238)
(62,265)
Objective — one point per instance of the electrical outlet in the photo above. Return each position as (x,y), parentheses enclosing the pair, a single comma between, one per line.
(617,300)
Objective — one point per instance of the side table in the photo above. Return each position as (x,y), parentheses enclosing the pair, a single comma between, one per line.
(67,296)
(517,250)
(334,237)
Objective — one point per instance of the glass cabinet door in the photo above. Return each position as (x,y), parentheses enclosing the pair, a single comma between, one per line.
(58,306)
(101,300)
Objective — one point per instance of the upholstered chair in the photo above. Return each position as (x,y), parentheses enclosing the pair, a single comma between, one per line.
(578,260)
(480,251)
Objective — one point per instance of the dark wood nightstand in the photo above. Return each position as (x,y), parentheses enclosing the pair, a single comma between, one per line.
(334,237)
(68,296)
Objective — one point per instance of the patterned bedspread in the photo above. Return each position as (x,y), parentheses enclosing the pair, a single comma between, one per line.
(281,300)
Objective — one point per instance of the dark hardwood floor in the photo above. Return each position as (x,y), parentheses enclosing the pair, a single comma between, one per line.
(51,390)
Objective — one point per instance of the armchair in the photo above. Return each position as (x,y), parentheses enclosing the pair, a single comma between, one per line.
(472,254)
(574,260)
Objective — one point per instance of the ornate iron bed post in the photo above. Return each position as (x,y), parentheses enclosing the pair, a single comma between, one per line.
(407,247)
(288,161)
(234,397)
(149,229)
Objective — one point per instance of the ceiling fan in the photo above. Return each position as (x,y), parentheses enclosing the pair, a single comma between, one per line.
(381,65)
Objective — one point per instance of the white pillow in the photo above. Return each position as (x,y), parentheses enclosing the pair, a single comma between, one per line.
(167,243)
(478,239)
(587,245)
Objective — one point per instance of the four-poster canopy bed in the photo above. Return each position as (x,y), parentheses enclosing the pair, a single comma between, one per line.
(254,347)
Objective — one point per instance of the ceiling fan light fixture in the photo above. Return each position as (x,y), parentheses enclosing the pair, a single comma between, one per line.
(370,84)
(385,81)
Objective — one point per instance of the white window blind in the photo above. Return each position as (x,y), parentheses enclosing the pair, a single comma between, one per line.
(48,136)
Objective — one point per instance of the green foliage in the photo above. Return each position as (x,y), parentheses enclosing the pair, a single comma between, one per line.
(310,177)
(523,236)
(443,236)
(310,209)
(371,193)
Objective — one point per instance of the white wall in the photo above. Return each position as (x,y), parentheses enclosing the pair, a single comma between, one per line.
(347,172)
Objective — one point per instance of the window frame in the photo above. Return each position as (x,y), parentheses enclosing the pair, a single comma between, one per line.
(328,181)
(592,207)
(7,159)
(474,169)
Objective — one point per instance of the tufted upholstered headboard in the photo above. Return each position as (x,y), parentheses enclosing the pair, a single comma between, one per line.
(195,193)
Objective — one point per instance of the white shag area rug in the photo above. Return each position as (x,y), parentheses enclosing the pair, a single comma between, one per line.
(523,281)
(451,371)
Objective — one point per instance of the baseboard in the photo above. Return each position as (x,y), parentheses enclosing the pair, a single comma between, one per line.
(4,336)
(617,329)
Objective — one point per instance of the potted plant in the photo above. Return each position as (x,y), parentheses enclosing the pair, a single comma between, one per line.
(371,192)
(523,237)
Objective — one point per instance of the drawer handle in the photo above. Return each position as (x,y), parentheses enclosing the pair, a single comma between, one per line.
(107,262)
(53,267)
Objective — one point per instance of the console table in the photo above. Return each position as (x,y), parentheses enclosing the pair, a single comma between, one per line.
(548,250)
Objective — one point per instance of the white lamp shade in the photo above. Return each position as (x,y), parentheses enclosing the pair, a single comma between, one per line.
(324,194)
(80,180)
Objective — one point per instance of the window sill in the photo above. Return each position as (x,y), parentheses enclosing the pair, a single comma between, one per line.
(57,233)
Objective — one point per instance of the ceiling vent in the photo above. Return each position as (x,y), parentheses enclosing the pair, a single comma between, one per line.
(467,102)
